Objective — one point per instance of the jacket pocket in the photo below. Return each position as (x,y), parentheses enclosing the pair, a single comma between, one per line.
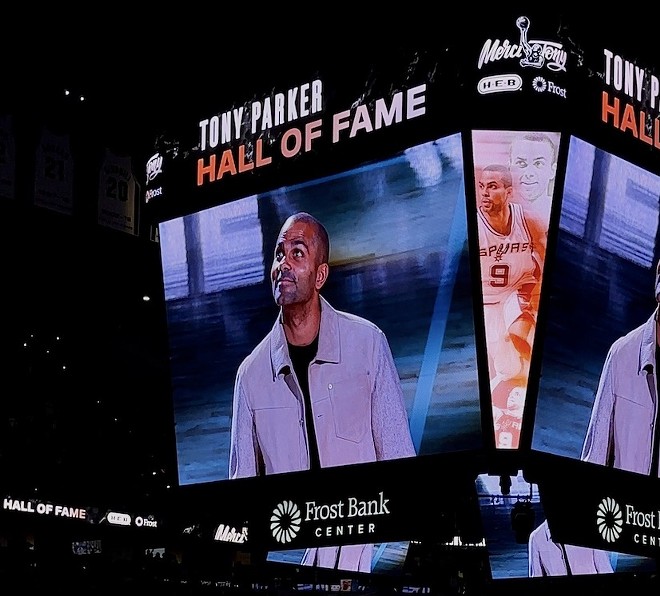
(351,407)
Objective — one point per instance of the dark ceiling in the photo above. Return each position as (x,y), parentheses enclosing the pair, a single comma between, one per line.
(140,70)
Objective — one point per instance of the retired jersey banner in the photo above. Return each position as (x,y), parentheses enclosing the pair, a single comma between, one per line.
(53,173)
(7,159)
(117,207)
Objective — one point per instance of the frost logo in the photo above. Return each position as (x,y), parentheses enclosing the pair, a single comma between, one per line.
(539,84)
(609,519)
(285,521)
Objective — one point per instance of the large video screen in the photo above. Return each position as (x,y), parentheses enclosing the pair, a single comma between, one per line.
(514,184)
(597,394)
(519,539)
(394,373)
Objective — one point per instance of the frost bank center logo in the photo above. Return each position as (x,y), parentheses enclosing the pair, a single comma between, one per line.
(346,517)
(642,525)
(285,521)
(609,519)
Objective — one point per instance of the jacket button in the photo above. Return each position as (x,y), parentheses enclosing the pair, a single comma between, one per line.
(329,385)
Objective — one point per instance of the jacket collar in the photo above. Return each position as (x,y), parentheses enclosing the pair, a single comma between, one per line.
(648,344)
(328,350)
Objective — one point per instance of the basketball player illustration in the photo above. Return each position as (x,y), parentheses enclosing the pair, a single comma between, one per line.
(511,255)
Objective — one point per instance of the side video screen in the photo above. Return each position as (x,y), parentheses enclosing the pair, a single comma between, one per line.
(519,538)
(596,399)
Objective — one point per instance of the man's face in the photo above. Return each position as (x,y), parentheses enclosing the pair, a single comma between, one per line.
(293,274)
(515,402)
(493,194)
(532,167)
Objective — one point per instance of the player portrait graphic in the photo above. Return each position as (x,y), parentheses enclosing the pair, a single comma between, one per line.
(514,185)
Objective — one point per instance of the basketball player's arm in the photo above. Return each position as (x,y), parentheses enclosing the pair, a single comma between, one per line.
(539,231)
(521,331)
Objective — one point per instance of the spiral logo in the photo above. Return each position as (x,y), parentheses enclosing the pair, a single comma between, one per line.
(539,84)
(609,519)
(285,521)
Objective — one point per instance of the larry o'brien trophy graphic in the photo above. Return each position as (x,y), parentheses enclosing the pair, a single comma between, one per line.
(533,53)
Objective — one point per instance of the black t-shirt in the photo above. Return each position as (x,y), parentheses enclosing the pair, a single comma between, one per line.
(301,356)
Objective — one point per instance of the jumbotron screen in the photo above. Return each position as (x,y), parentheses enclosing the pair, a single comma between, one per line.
(398,274)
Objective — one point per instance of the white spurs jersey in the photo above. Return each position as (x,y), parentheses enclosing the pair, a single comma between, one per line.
(508,261)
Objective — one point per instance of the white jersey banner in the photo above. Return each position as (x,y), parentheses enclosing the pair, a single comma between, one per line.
(117,207)
(7,159)
(53,173)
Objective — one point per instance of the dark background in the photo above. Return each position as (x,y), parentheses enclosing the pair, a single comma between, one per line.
(103,432)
